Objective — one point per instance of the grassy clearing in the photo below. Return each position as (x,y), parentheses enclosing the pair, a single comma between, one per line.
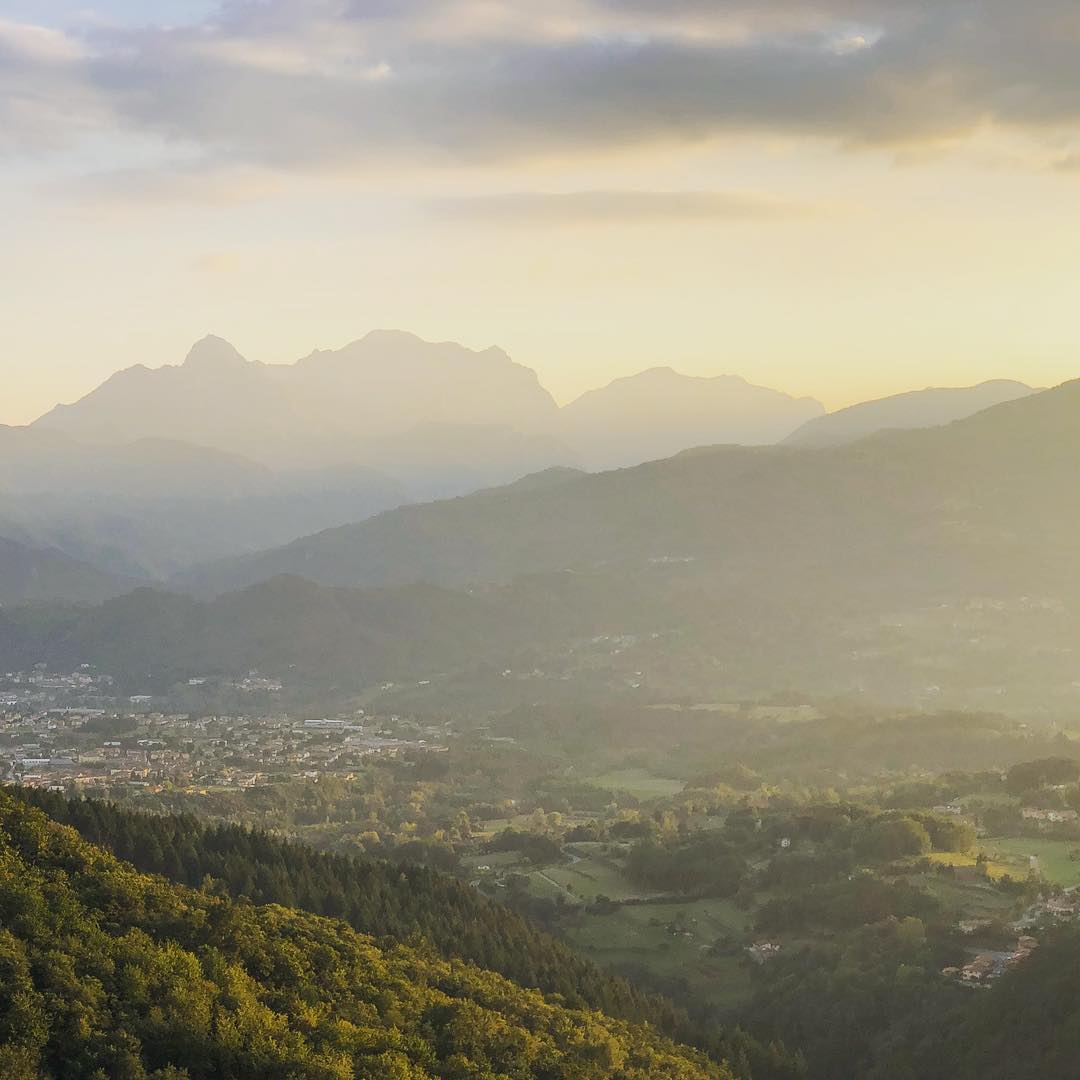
(593,876)
(498,825)
(542,884)
(637,782)
(640,937)
(994,869)
(969,899)
(989,798)
(1054,862)
(496,860)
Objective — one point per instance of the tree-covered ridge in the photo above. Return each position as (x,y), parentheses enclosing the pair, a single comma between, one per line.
(108,973)
(385,900)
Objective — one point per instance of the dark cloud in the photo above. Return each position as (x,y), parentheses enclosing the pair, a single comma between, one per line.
(298,83)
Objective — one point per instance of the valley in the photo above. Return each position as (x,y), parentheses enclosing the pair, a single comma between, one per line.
(539,542)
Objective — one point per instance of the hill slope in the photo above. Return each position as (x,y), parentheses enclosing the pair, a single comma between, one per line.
(916,409)
(32,575)
(107,972)
(37,461)
(391,902)
(989,498)
(321,636)
(148,508)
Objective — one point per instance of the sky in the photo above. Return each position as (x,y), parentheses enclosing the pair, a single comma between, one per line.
(840,198)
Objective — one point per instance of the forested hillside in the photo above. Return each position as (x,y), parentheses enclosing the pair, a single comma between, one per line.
(1027,1028)
(393,903)
(109,973)
(375,897)
(325,634)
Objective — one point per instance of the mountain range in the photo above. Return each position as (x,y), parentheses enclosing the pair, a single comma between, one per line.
(438,418)
(908,564)
(353,406)
(894,493)
(221,472)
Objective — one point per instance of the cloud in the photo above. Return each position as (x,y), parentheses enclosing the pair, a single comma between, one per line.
(622,207)
(305,84)
(168,182)
(45,95)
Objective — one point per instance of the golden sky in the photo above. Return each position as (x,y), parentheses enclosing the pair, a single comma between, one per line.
(842,198)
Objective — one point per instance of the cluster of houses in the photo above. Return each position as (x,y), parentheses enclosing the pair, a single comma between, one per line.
(41,688)
(1049,817)
(254,683)
(1064,907)
(762,951)
(985,967)
(89,749)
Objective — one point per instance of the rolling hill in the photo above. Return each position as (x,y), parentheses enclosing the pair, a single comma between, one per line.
(32,575)
(36,461)
(148,508)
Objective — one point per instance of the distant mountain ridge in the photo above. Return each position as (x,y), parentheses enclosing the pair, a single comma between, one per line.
(659,412)
(440,418)
(931,407)
(160,470)
(736,503)
(927,565)
(330,408)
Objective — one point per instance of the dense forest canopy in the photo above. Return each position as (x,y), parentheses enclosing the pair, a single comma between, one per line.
(109,973)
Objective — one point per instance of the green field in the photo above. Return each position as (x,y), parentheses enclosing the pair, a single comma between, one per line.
(637,782)
(1054,862)
(495,860)
(639,937)
(969,899)
(541,885)
(1011,855)
(594,875)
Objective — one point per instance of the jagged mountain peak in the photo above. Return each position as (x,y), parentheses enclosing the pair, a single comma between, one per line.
(213,353)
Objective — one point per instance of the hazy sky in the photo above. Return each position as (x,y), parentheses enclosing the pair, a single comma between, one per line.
(834,197)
